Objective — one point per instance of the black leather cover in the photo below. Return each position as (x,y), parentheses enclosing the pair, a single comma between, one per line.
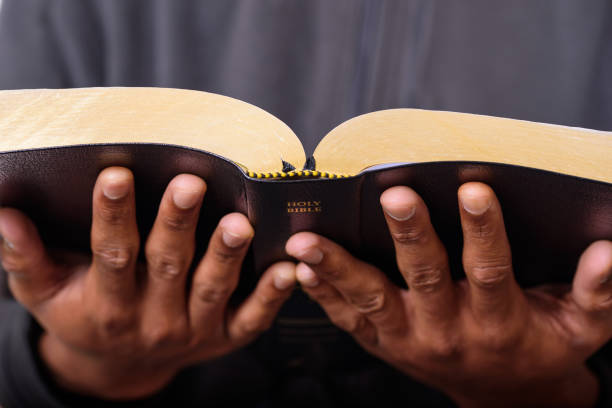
(550,217)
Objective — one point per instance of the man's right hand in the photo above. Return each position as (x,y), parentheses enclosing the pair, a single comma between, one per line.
(118,329)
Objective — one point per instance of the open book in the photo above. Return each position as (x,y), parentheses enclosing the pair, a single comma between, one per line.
(554,182)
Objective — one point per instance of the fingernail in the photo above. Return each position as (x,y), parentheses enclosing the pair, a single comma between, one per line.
(312,256)
(284,278)
(306,276)
(185,199)
(476,205)
(115,190)
(233,240)
(402,213)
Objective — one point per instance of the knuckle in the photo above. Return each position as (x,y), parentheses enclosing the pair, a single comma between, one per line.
(491,275)
(410,236)
(267,301)
(426,278)
(370,303)
(178,222)
(114,323)
(114,213)
(481,227)
(165,335)
(114,257)
(334,271)
(211,293)
(165,266)
(224,256)
(250,328)
(444,348)
(156,337)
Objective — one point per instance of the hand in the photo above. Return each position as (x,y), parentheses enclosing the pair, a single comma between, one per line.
(483,340)
(117,329)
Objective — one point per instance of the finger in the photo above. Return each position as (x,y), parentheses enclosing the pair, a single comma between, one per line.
(114,235)
(421,257)
(341,313)
(217,274)
(170,247)
(362,285)
(591,320)
(33,277)
(258,311)
(592,287)
(486,254)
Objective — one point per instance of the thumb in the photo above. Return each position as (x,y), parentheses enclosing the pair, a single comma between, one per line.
(31,273)
(592,287)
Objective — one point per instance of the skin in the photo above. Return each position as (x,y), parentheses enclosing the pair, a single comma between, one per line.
(117,329)
(483,341)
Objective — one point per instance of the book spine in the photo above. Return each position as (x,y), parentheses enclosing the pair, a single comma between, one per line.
(297,173)
(280,209)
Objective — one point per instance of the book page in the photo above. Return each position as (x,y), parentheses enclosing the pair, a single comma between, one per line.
(241,132)
(414,136)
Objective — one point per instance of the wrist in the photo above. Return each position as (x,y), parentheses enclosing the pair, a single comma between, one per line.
(99,377)
(578,389)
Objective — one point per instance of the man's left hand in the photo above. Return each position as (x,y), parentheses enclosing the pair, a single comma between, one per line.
(484,341)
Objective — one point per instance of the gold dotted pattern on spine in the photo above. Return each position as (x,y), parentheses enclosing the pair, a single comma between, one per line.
(297,173)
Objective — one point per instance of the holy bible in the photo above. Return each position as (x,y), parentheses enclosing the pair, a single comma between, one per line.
(554,182)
